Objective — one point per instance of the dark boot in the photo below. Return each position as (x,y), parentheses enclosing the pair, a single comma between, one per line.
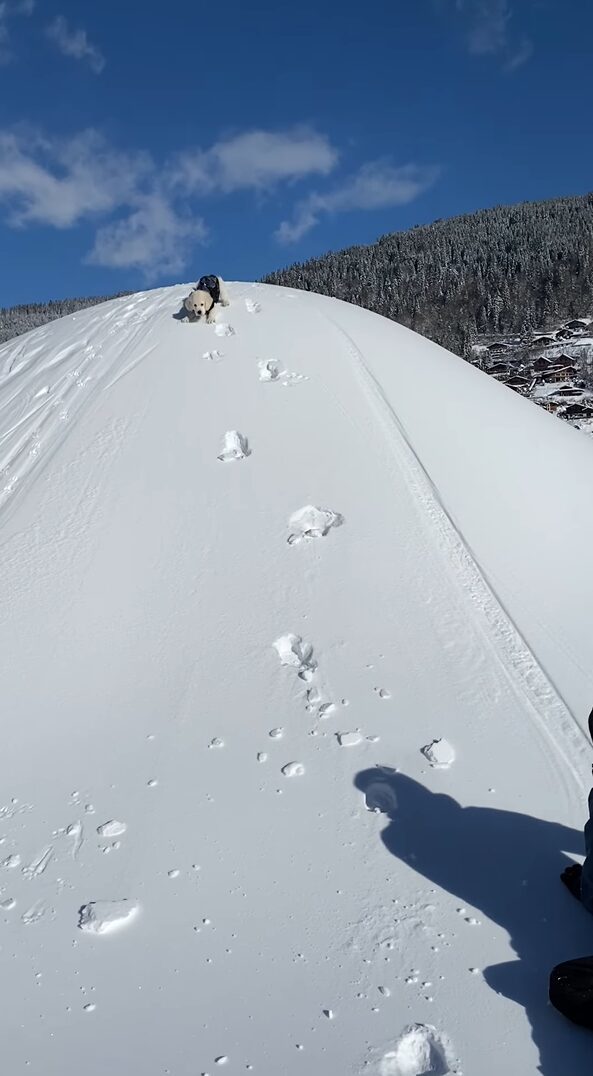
(571,990)
(572,878)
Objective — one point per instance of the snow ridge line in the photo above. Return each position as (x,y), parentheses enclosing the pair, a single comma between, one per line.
(545,703)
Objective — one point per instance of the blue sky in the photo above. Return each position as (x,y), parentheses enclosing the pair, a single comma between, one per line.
(142,143)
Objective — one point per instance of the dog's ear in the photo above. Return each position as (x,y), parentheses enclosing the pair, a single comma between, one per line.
(187,302)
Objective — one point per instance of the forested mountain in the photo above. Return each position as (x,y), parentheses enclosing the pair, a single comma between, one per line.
(502,270)
(511,269)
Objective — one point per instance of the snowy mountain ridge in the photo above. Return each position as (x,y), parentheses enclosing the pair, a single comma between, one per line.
(296,666)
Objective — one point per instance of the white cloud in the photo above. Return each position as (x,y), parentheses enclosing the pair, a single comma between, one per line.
(60,183)
(489,31)
(153,237)
(377,185)
(75,43)
(7,11)
(146,213)
(255,160)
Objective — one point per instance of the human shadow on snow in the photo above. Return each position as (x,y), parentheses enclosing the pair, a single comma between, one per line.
(507,865)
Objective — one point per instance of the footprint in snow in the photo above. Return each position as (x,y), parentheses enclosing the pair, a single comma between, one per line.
(212,356)
(419,1051)
(106,916)
(268,371)
(297,654)
(379,794)
(112,829)
(293,769)
(224,329)
(311,522)
(252,307)
(235,447)
(349,739)
(289,378)
(440,754)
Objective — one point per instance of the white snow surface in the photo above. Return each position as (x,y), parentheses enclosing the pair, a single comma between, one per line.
(148,594)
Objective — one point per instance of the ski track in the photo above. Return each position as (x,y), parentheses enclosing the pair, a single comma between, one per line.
(496,628)
(42,395)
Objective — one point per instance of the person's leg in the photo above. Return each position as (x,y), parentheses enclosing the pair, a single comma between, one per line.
(571,990)
(587,875)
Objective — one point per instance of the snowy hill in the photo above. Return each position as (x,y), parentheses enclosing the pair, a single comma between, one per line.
(296,663)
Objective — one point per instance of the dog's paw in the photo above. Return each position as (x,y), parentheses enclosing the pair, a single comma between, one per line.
(225,303)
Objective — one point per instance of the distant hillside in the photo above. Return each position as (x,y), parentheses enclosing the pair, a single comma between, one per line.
(16,320)
(504,270)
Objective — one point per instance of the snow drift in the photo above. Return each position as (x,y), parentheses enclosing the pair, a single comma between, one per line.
(293,748)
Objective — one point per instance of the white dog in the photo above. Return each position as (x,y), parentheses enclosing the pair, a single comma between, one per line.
(210,292)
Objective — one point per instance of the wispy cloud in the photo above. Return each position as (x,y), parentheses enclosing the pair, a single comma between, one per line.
(8,11)
(255,160)
(60,182)
(75,43)
(377,185)
(155,234)
(149,215)
(490,32)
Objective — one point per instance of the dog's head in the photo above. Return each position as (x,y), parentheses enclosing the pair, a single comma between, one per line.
(198,304)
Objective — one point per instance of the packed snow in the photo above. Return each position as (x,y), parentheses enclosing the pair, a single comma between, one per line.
(277,809)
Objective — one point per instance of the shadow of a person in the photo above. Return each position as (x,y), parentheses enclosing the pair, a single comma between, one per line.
(506,865)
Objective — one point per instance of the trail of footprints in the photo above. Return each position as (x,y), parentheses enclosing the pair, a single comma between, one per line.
(420,1047)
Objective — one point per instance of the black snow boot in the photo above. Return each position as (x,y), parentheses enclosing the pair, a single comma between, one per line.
(571,877)
(571,990)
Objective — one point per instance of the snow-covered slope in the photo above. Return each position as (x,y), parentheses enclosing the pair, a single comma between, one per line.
(206,688)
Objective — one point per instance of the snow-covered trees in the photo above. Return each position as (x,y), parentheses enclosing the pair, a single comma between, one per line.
(498,270)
